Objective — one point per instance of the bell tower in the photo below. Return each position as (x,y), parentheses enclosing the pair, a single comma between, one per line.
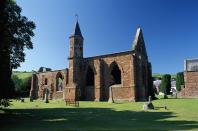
(75,63)
(75,55)
(76,43)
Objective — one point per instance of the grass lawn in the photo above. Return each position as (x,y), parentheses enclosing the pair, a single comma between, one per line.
(182,114)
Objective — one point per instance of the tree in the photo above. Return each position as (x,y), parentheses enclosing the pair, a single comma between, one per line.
(166,84)
(16,32)
(179,80)
(22,86)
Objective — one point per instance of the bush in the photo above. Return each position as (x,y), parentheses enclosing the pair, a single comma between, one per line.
(179,80)
(22,86)
(165,86)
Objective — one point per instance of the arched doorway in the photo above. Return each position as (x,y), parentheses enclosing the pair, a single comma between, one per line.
(59,82)
(46,93)
(90,77)
(89,95)
(114,79)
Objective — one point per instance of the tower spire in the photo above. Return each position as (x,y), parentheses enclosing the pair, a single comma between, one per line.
(77,31)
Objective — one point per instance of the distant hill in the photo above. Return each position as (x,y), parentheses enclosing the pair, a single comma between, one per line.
(22,75)
(158,75)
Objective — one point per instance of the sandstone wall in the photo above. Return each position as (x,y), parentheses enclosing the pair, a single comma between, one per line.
(102,66)
(39,84)
(191,85)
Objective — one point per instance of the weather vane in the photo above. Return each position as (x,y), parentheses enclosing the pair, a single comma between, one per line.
(76,15)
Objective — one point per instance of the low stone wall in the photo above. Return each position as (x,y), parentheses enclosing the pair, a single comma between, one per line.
(120,93)
(70,93)
(58,95)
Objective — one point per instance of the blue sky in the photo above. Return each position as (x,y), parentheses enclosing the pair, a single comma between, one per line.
(170,29)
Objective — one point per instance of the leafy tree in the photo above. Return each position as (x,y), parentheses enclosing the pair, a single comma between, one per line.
(16,32)
(22,86)
(166,84)
(179,80)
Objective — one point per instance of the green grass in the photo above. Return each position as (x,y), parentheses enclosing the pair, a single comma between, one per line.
(182,114)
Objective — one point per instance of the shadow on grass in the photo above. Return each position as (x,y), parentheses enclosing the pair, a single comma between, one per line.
(89,119)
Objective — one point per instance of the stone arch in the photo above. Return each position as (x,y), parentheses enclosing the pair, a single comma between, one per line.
(46,81)
(59,81)
(90,77)
(90,83)
(115,73)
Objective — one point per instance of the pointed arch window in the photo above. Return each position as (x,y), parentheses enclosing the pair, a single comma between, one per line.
(45,81)
(59,82)
(116,74)
(90,77)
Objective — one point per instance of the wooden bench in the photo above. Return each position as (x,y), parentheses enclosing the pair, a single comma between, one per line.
(72,102)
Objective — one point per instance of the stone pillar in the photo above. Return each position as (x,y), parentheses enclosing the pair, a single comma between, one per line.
(34,87)
(71,90)
(46,99)
(111,100)
(98,82)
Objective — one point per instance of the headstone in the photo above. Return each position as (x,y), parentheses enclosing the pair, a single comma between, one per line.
(148,105)
(46,95)
(22,99)
(31,99)
(165,96)
(174,92)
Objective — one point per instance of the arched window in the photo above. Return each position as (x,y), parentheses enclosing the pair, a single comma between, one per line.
(90,77)
(59,82)
(116,74)
(45,81)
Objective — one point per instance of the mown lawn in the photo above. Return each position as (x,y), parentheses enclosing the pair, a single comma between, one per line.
(182,114)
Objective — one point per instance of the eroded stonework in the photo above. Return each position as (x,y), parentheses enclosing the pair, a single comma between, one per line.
(191,85)
(190,79)
(128,74)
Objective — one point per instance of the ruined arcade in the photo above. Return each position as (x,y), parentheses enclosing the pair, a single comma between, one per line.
(119,76)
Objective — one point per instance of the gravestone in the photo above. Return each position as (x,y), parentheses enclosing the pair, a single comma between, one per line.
(46,95)
(22,100)
(174,92)
(31,99)
(148,105)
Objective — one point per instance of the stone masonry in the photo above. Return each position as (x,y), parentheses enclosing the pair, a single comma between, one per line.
(128,74)
(190,79)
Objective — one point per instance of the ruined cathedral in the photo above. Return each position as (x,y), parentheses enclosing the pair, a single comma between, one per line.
(125,76)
